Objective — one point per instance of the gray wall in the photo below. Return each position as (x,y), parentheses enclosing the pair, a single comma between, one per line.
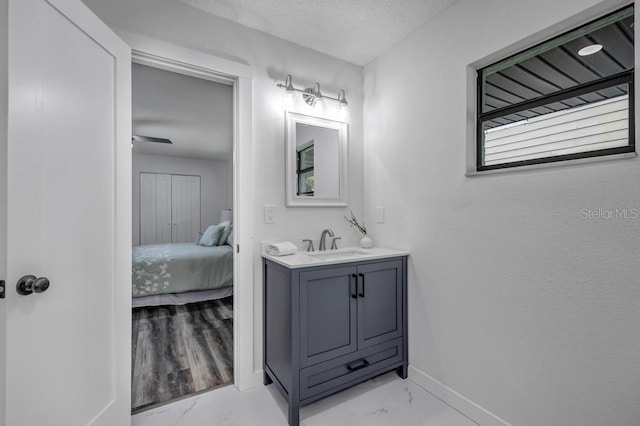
(516,301)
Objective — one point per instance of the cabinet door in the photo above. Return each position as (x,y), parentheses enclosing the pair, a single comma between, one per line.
(379,302)
(327,314)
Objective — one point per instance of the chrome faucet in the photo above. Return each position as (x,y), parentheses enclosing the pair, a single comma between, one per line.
(323,244)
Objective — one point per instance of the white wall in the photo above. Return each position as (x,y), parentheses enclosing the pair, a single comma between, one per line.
(216,185)
(271,59)
(516,301)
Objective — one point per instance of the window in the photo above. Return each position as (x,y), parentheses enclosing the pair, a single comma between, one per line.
(305,169)
(570,97)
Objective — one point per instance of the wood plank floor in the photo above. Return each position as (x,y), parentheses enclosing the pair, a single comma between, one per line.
(180,350)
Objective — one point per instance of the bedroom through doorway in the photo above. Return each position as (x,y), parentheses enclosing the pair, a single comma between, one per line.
(183,236)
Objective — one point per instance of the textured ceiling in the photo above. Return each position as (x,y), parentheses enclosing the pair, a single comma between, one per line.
(356,31)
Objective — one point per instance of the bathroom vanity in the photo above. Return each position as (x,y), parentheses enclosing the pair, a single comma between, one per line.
(331,320)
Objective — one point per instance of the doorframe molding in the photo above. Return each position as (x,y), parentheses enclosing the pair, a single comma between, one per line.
(4,120)
(170,57)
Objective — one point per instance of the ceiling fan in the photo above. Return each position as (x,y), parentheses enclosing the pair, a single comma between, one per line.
(139,138)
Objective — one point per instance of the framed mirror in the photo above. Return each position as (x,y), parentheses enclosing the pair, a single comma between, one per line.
(316,162)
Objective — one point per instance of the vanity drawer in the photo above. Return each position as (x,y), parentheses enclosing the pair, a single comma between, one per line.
(333,373)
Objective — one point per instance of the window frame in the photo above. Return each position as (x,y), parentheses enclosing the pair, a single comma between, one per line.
(625,77)
(300,171)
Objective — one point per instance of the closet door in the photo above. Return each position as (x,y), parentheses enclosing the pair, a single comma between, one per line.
(148,217)
(163,208)
(185,213)
(155,208)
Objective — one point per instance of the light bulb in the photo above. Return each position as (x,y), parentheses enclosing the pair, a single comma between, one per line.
(344,105)
(289,100)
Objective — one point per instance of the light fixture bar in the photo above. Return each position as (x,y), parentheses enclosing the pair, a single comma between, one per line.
(288,85)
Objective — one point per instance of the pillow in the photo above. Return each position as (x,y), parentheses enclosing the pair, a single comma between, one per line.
(230,238)
(225,234)
(199,238)
(211,236)
(226,216)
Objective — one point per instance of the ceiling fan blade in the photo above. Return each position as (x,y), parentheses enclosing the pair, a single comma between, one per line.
(139,138)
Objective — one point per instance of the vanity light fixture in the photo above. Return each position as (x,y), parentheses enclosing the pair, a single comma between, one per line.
(312,95)
(290,94)
(343,100)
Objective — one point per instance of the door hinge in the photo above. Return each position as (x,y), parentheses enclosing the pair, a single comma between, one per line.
(2,289)
(237,248)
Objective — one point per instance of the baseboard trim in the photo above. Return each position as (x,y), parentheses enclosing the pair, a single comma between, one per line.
(256,379)
(452,398)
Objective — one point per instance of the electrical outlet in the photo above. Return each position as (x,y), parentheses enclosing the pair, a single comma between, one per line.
(269,213)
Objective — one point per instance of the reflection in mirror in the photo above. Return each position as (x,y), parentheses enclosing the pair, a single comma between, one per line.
(305,171)
(316,161)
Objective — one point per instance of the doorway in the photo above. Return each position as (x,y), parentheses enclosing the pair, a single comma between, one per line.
(182,233)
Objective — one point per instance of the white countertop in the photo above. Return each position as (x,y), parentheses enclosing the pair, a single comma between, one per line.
(306,259)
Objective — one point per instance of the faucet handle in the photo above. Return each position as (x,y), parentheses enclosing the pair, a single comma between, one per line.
(334,245)
(310,246)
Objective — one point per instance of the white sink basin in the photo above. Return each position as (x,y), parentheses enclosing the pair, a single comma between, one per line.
(339,254)
(305,259)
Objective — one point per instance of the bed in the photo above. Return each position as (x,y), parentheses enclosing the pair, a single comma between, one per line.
(181,273)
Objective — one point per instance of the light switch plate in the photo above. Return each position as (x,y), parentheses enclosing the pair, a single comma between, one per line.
(379,214)
(269,213)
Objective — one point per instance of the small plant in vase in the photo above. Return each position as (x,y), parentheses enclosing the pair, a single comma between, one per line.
(365,241)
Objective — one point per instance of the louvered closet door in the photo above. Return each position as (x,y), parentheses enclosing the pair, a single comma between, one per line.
(148,217)
(155,208)
(185,213)
(163,208)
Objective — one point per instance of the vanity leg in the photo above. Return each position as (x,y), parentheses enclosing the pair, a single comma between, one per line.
(403,371)
(294,413)
(266,380)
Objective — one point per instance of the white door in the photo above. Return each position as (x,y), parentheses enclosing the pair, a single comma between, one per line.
(149,225)
(185,211)
(69,218)
(155,208)
(163,208)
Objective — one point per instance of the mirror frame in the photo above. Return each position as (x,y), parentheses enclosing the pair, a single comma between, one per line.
(291,181)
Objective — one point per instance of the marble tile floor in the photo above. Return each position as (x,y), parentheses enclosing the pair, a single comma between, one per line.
(385,400)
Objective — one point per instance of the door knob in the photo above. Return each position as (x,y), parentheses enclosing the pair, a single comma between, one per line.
(30,284)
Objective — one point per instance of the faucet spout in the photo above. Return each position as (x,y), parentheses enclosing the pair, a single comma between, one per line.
(323,243)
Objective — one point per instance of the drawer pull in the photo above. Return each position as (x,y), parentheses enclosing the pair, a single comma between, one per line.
(364,364)
(362,294)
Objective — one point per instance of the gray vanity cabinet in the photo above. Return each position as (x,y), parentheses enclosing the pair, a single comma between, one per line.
(328,314)
(329,327)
